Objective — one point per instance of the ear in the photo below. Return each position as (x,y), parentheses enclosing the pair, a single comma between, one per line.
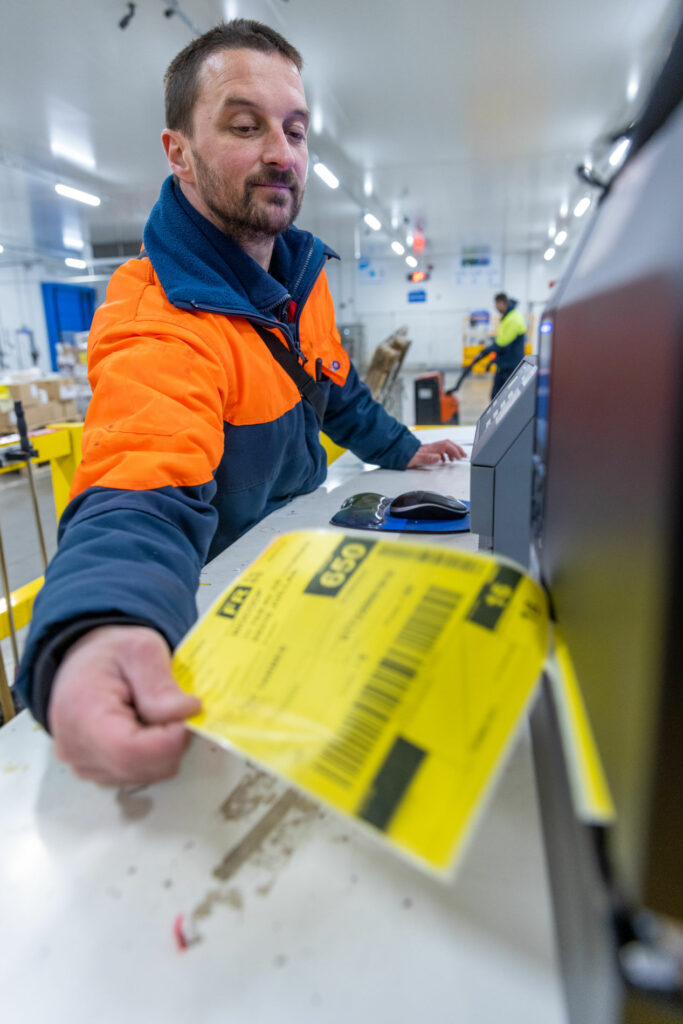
(179,154)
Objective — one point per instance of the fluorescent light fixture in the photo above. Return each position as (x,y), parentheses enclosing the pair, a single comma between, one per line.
(398,248)
(410,239)
(581,206)
(230,9)
(411,261)
(72,241)
(564,208)
(372,221)
(317,118)
(367,183)
(549,253)
(75,264)
(633,86)
(326,175)
(551,230)
(619,152)
(2,248)
(75,155)
(75,193)
(560,238)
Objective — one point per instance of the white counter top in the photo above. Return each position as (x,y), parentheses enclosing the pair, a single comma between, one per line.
(317,924)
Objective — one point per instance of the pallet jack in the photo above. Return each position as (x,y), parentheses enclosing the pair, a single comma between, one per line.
(434,405)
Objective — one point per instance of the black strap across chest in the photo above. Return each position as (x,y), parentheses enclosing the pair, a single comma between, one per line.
(307,387)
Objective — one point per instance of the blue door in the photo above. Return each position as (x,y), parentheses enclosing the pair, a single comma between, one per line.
(68,307)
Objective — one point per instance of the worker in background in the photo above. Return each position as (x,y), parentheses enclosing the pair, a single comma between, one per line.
(509,342)
(214,362)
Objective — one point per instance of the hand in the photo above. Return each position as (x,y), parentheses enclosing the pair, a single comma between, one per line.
(116,713)
(435,452)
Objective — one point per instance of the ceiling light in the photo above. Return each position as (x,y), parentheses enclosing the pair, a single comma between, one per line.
(549,253)
(409,240)
(398,248)
(564,209)
(367,183)
(2,248)
(411,261)
(72,241)
(619,152)
(326,174)
(560,238)
(316,117)
(372,221)
(74,154)
(551,230)
(581,206)
(633,86)
(74,193)
(75,264)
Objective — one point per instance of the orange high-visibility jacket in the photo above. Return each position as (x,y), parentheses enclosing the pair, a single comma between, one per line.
(194,431)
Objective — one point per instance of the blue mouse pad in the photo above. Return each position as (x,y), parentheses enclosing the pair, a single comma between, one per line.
(371,512)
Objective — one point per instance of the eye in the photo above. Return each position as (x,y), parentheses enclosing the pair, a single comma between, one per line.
(297,134)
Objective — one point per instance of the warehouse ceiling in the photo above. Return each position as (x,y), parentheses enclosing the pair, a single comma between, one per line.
(462,119)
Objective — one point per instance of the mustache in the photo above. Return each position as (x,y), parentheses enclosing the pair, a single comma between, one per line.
(274,177)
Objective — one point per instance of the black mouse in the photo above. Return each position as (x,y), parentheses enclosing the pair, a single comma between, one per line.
(427,505)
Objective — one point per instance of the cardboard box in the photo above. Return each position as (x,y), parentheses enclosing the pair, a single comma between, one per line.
(36,415)
(26,393)
(59,389)
(6,426)
(66,411)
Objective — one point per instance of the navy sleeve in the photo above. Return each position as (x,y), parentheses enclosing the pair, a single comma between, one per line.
(128,556)
(356,421)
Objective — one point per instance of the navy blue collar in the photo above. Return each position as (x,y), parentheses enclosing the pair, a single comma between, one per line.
(200,267)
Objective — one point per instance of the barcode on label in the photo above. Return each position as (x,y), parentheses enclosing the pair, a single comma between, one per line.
(345,756)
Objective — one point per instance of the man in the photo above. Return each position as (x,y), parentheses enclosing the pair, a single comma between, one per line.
(509,342)
(196,430)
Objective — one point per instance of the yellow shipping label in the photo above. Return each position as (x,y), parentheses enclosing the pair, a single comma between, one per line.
(590,791)
(385,679)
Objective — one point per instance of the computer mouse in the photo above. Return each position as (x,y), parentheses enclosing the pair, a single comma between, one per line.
(427,505)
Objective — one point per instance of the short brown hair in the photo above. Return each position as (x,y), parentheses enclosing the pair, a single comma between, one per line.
(181,81)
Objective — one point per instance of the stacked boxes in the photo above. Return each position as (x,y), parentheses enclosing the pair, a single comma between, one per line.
(49,399)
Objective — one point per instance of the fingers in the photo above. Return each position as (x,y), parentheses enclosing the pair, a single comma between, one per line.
(115,711)
(158,699)
(437,452)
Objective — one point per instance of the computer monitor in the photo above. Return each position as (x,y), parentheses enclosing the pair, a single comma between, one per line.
(607,515)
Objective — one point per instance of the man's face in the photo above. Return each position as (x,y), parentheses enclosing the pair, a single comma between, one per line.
(501,306)
(248,144)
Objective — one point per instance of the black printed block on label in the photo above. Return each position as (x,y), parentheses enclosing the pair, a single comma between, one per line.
(339,567)
(234,602)
(494,597)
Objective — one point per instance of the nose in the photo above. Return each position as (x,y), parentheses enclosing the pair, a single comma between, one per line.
(278,151)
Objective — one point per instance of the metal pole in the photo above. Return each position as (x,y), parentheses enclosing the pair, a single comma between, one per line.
(36,513)
(29,451)
(8,602)
(6,702)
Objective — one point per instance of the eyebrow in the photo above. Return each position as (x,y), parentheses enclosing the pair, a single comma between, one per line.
(242,101)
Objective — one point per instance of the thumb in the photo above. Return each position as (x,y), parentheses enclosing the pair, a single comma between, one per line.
(157,697)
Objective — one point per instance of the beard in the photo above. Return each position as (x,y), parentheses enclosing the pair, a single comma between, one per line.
(249,213)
